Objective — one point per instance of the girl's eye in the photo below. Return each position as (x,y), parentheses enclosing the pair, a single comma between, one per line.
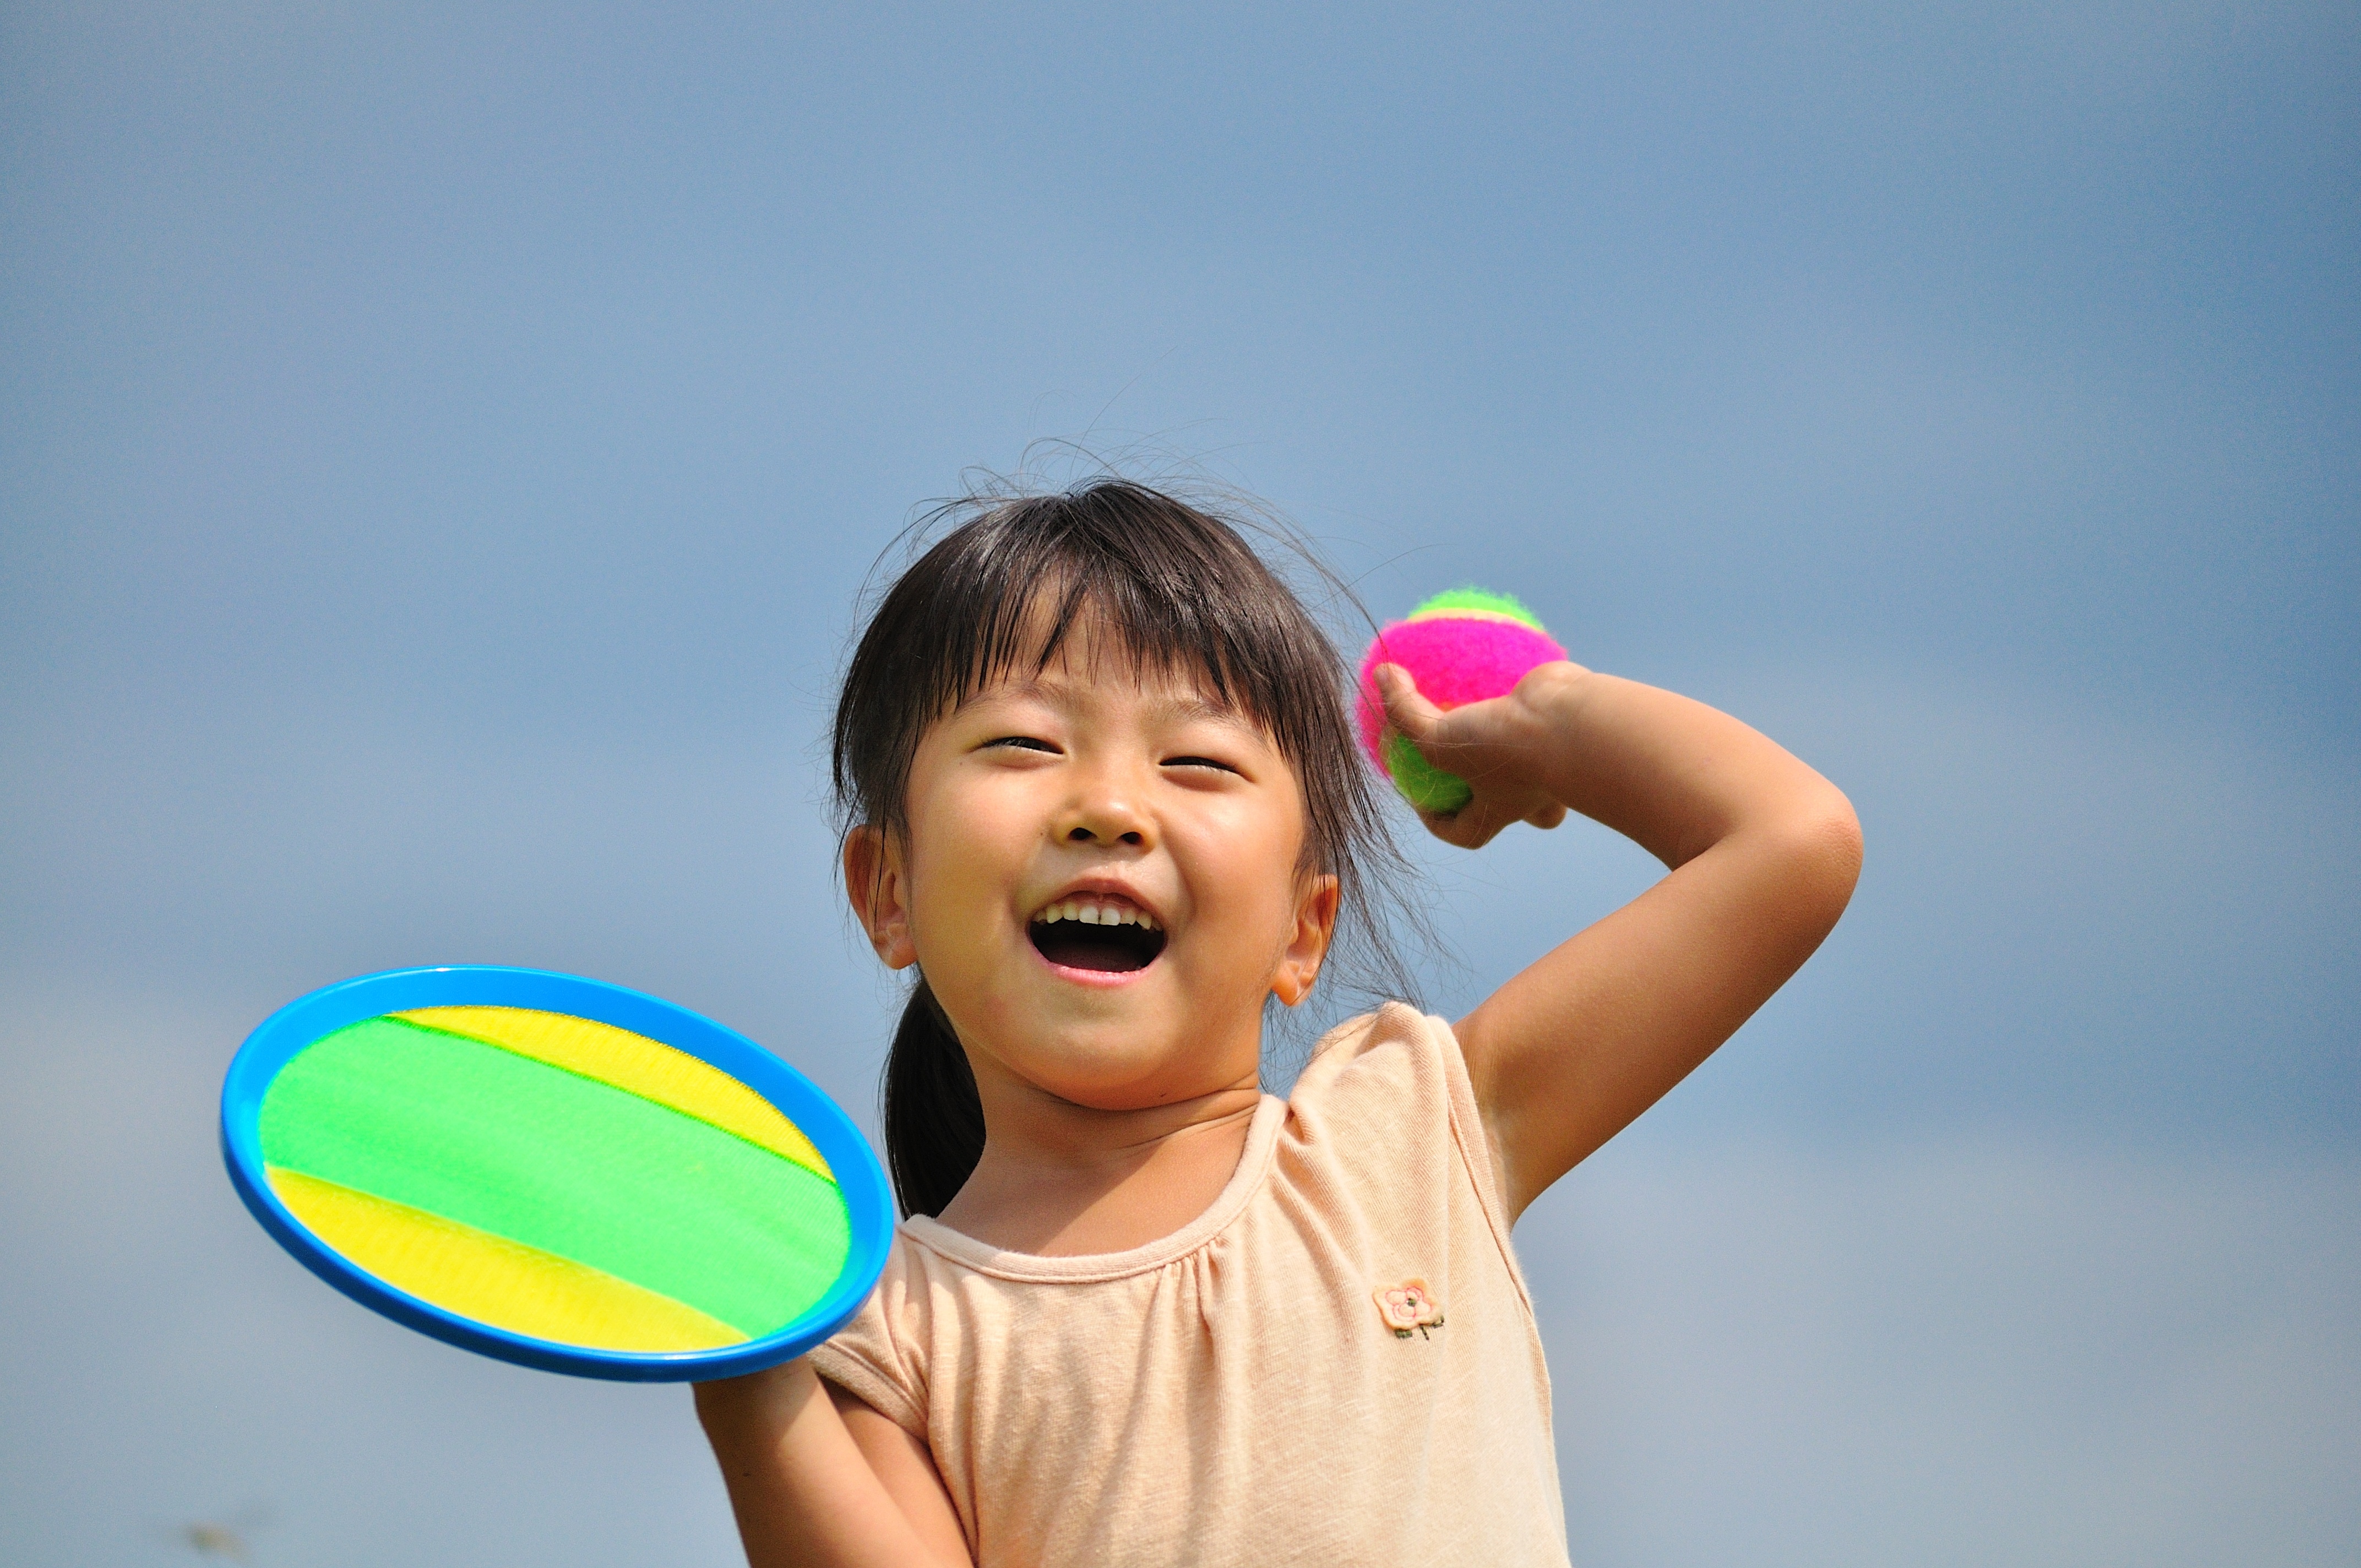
(1199,762)
(1021,743)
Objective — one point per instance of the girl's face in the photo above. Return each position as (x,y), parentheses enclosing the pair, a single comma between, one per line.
(1101,881)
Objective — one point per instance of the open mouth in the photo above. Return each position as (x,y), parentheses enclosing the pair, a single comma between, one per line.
(1111,938)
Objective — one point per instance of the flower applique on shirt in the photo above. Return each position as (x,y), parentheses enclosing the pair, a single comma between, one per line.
(1406,1306)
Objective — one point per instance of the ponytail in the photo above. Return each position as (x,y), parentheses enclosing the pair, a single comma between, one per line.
(934,1118)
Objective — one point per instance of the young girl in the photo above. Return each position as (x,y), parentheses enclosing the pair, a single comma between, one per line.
(1106,801)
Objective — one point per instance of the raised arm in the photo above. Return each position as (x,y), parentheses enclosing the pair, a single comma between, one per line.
(819,1480)
(1763,855)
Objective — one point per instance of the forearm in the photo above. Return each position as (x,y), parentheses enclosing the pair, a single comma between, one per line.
(1764,853)
(1670,774)
(805,1495)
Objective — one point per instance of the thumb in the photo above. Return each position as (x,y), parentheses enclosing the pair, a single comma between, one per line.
(1406,709)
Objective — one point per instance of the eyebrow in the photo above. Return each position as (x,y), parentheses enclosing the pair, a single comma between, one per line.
(1059,694)
(1198,708)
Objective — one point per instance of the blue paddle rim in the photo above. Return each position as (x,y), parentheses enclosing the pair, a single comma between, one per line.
(868,1202)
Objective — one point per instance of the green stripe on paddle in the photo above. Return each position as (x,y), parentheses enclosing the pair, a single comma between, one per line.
(561,1162)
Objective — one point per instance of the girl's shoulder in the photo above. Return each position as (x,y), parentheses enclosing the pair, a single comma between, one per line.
(1384,1103)
(1395,1035)
(1394,1066)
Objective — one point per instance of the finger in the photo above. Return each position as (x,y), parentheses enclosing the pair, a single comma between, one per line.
(1451,827)
(1406,709)
(1471,827)
(1548,817)
(1457,829)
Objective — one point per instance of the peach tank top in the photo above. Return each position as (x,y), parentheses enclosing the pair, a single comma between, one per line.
(1335,1364)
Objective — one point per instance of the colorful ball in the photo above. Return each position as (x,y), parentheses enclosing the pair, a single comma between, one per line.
(1461,646)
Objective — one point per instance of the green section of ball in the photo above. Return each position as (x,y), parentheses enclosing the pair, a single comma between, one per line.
(1423,784)
(1479,601)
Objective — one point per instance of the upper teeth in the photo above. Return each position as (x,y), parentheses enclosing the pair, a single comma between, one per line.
(1092,912)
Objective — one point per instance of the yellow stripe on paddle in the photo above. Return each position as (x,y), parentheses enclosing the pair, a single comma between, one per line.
(634,1063)
(490,1279)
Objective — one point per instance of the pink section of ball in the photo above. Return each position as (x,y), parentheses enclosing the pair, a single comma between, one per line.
(1453,660)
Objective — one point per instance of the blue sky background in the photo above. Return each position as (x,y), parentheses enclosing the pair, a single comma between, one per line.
(439,449)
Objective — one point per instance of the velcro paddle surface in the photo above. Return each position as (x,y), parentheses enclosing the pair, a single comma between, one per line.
(556,1178)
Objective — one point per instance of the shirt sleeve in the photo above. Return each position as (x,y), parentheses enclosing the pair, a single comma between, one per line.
(1390,1096)
(873,1357)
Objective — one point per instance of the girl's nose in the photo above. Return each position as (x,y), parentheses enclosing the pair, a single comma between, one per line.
(1106,817)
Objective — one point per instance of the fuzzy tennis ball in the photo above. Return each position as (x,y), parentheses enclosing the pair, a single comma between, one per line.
(1461,646)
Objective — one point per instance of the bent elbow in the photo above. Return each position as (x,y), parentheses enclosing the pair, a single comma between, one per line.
(1825,843)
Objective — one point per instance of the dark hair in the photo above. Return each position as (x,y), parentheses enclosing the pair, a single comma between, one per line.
(1183,592)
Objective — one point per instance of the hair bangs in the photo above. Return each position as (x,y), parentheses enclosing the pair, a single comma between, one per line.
(1142,578)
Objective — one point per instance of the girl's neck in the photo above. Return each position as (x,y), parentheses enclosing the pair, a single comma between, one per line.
(1059,1180)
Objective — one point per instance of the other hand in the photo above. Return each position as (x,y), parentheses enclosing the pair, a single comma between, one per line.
(1497,745)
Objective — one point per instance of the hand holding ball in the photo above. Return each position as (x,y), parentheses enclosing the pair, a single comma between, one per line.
(1460,647)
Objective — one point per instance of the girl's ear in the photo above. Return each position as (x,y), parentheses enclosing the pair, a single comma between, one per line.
(1315,923)
(878,883)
